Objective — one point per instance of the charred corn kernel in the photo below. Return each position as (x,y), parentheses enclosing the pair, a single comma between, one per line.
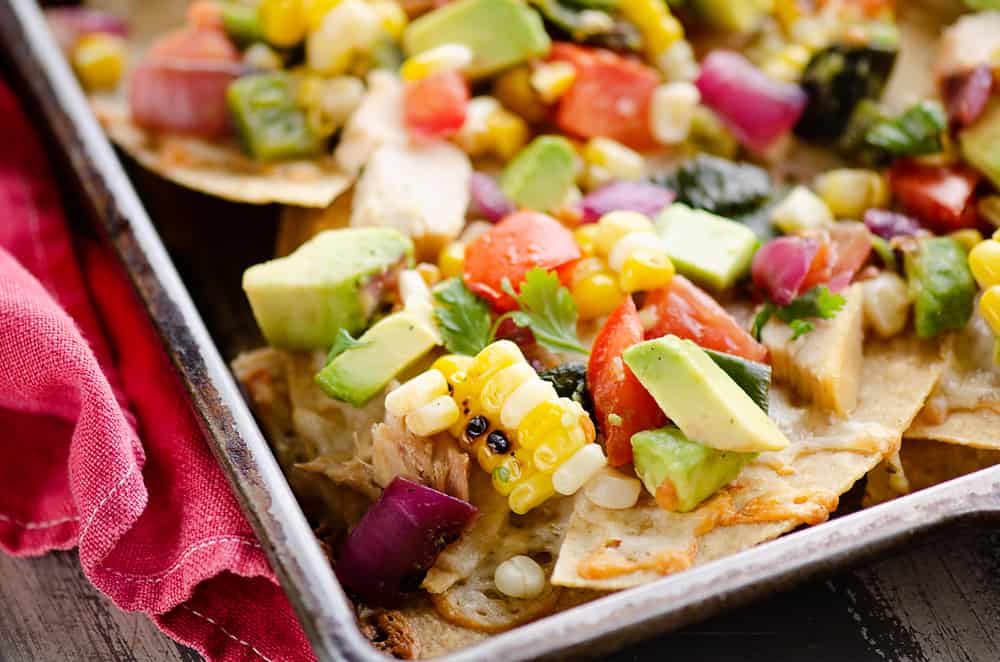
(513,90)
(453,367)
(261,57)
(709,134)
(801,210)
(886,303)
(646,269)
(350,28)
(660,30)
(984,261)
(283,22)
(678,63)
(451,261)
(501,385)
(989,308)
(613,490)
(550,81)
(316,10)
(597,295)
(969,238)
(507,133)
(519,577)
(575,472)
(615,158)
(416,393)
(531,493)
(849,192)
(436,416)
(99,60)
(585,236)
(671,111)
(625,247)
(615,225)
(392,16)
(446,57)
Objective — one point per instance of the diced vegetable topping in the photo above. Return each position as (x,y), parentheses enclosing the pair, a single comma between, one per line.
(434,107)
(941,286)
(271,125)
(642,197)
(541,175)
(817,303)
(940,197)
(719,185)
(915,132)
(709,249)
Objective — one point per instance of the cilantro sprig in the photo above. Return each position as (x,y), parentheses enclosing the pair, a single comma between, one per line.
(343,342)
(819,302)
(462,317)
(547,309)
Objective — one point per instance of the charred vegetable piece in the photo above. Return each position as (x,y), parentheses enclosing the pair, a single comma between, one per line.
(853,141)
(719,185)
(941,286)
(837,79)
(682,473)
(271,126)
(917,131)
(398,539)
(751,376)
(570,381)
(570,20)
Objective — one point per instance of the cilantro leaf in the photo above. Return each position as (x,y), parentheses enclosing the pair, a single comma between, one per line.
(801,327)
(762,318)
(819,302)
(463,318)
(547,309)
(343,342)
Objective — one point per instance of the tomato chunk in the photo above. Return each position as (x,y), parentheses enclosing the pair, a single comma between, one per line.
(610,96)
(940,197)
(615,390)
(435,106)
(513,247)
(682,309)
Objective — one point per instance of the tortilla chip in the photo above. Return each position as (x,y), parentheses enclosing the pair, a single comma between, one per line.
(297,225)
(979,428)
(609,550)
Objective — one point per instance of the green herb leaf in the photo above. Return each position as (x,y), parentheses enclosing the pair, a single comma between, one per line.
(548,310)
(462,317)
(343,342)
(915,132)
(801,327)
(819,302)
(762,318)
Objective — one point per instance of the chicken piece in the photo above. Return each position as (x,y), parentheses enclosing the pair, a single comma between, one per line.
(824,365)
(378,121)
(434,461)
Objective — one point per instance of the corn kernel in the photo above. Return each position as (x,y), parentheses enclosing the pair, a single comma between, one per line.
(283,22)
(530,493)
(612,156)
(550,81)
(514,91)
(525,398)
(493,358)
(507,132)
(99,60)
(984,261)
(597,295)
(261,57)
(451,261)
(436,416)
(351,27)
(519,577)
(585,236)
(316,10)
(677,63)
(501,385)
(659,28)
(646,269)
(615,225)
(613,490)
(446,57)
(629,244)
(989,308)
(415,393)
(850,192)
(579,469)
(802,210)
(487,459)
(709,134)
(969,238)
(671,112)
(787,12)
(392,16)
(558,448)
(507,474)
(474,137)
(886,303)
(452,366)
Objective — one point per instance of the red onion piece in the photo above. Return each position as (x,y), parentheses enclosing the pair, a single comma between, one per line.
(888,224)
(757,109)
(966,94)
(68,24)
(851,244)
(781,265)
(398,539)
(487,198)
(643,197)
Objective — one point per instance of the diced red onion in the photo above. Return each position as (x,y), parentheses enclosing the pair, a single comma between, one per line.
(182,97)
(966,95)
(643,197)
(398,539)
(488,200)
(757,108)
(851,244)
(888,224)
(68,24)
(781,265)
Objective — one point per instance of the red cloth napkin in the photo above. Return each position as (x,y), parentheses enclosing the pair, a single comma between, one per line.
(99,448)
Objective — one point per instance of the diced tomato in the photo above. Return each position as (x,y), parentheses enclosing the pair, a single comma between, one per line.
(850,246)
(610,96)
(435,106)
(940,197)
(685,311)
(820,269)
(513,247)
(615,390)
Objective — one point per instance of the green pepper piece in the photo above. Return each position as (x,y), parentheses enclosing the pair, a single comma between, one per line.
(270,124)
(941,286)
(241,23)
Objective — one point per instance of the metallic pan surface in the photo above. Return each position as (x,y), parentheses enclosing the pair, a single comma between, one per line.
(605,624)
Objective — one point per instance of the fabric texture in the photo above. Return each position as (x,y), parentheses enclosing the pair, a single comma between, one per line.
(99,448)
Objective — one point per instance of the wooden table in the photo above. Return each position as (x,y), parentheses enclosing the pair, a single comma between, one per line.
(936,603)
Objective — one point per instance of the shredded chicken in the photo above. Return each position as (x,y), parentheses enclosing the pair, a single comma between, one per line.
(435,461)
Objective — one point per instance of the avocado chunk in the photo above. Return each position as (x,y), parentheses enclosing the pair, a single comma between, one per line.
(331,282)
(980,143)
(708,249)
(700,398)
(941,286)
(270,124)
(742,16)
(541,174)
(753,377)
(682,473)
(391,345)
(500,33)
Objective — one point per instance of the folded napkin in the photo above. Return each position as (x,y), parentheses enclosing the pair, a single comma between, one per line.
(99,448)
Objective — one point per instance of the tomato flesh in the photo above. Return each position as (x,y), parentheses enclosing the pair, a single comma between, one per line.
(435,106)
(940,197)
(615,390)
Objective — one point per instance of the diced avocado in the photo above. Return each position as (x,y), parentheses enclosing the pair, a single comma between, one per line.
(941,286)
(700,398)
(541,174)
(500,33)
(706,248)
(682,473)
(980,142)
(383,351)
(740,16)
(270,124)
(331,282)
(753,377)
